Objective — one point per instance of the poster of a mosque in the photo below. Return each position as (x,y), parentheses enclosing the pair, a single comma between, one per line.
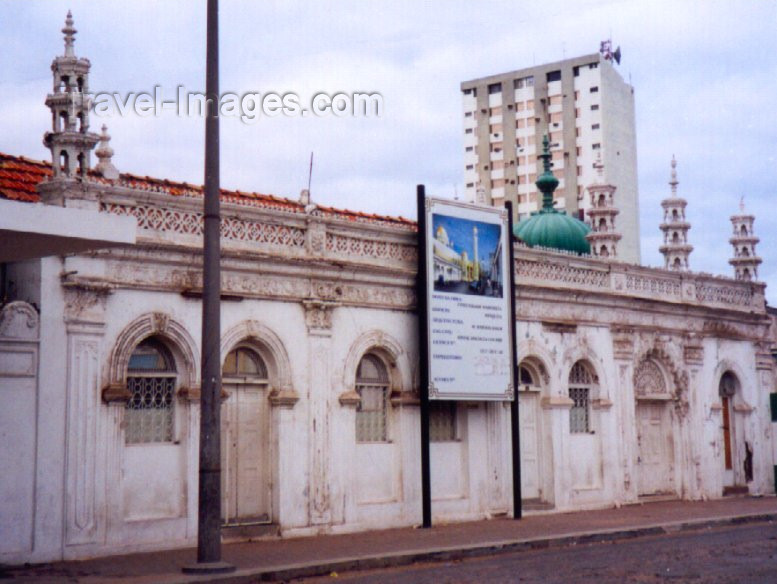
(467,256)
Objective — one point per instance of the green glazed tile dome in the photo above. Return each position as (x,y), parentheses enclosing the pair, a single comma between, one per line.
(549,227)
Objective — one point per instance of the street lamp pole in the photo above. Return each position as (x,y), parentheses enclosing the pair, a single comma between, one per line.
(209,507)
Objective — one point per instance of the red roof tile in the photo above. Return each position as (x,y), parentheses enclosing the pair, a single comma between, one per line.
(19,177)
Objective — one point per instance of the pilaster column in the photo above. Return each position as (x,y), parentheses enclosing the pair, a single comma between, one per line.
(623,352)
(84,448)
(318,318)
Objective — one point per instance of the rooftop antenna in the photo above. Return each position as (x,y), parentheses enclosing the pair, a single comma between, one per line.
(455,192)
(310,171)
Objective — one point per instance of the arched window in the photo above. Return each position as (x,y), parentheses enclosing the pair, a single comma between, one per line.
(244,363)
(151,379)
(581,382)
(677,264)
(372,385)
(64,162)
(743,231)
(525,376)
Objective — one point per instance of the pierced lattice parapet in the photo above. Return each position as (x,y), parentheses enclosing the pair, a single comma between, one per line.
(558,272)
(191,223)
(338,244)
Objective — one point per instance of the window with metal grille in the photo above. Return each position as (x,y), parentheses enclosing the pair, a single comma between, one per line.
(442,421)
(151,379)
(372,385)
(580,383)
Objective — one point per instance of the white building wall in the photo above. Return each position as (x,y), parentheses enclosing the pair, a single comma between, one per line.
(316,315)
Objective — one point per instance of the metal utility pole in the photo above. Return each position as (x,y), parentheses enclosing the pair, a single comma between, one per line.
(209,510)
(423,341)
(515,433)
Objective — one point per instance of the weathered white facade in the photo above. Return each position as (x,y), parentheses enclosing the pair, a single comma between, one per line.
(312,293)
(635,382)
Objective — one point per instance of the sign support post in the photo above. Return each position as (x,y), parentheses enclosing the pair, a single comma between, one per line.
(514,420)
(423,337)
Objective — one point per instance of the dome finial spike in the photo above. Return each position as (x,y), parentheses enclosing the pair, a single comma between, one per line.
(673,182)
(69,31)
(546,182)
(742,204)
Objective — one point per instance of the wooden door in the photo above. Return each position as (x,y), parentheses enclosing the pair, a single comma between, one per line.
(655,449)
(245,456)
(530,460)
(728,458)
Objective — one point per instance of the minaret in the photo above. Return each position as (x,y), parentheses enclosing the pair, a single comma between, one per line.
(475,259)
(745,260)
(676,248)
(603,236)
(70,141)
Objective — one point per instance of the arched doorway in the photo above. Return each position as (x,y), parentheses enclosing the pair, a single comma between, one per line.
(655,468)
(245,439)
(736,462)
(528,411)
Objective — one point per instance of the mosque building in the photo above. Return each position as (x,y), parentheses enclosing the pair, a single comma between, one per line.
(636,383)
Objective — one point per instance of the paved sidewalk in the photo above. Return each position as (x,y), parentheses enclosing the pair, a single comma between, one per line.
(283,559)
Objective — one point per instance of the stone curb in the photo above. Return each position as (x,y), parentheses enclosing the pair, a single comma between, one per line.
(443,554)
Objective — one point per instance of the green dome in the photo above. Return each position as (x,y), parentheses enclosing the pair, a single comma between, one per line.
(549,227)
(556,230)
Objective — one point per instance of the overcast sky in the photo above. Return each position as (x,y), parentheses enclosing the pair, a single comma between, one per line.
(704,73)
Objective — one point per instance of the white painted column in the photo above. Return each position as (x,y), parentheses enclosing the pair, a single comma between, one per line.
(84,452)
(318,318)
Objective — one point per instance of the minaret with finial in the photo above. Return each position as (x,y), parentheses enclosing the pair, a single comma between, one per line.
(603,236)
(676,248)
(745,260)
(69,140)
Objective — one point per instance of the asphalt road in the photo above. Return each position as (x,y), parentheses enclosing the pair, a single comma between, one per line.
(743,555)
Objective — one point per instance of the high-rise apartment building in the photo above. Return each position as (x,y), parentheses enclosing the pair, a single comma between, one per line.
(585,107)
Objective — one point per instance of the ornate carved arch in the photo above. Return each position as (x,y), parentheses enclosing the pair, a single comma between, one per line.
(583,352)
(728,365)
(539,358)
(160,324)
(270,346)
(390,350)
(678,377)
(19,320)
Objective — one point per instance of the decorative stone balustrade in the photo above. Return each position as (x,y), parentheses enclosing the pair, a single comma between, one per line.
(383,243)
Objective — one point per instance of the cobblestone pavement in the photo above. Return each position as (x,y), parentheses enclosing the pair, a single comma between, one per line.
(729,555)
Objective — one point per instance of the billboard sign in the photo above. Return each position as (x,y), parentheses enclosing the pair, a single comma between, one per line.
(468,302)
